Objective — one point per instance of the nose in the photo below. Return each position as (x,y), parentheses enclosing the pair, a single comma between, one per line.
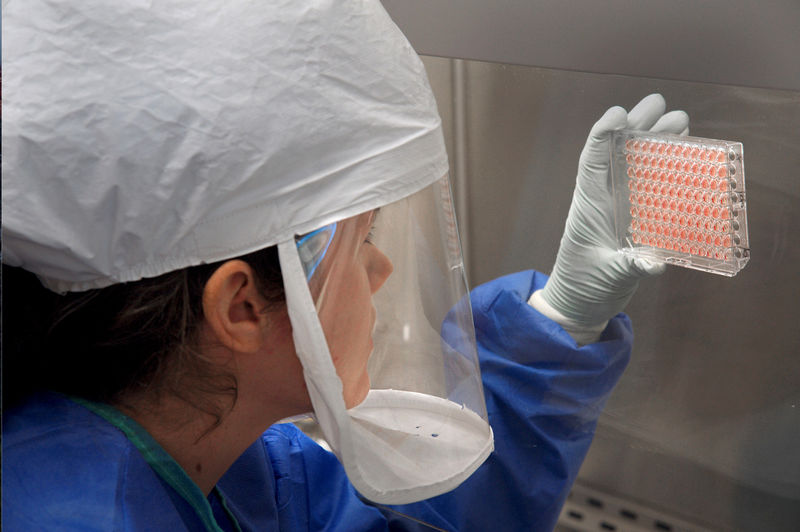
(380,268)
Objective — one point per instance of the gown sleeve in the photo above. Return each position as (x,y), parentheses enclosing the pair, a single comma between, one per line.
(544,395)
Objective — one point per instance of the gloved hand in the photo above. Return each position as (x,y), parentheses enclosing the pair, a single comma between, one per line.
(591,282)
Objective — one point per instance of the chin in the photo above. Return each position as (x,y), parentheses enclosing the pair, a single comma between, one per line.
(358,393)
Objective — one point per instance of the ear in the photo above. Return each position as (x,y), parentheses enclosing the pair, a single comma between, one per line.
(233,307)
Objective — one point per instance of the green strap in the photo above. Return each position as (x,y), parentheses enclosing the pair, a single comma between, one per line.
(228,510)
(162,463)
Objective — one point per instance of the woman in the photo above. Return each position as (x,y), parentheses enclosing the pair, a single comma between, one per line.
(247,207)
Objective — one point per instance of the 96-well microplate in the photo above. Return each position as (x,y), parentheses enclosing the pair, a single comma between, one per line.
(680,200)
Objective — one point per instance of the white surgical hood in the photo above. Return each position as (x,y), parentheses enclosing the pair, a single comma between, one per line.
(140,138)
(250,121)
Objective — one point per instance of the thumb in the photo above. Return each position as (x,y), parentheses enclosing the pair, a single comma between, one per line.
(645,268)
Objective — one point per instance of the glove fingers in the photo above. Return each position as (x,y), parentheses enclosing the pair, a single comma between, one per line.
(676,122)
(647,112)
(594,157)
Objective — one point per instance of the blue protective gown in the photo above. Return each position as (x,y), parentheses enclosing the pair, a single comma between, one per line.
(69,467)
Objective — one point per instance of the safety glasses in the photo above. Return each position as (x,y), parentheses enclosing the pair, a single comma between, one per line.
(313,246)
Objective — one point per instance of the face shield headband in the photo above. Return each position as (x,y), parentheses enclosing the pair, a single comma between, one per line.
(383,327)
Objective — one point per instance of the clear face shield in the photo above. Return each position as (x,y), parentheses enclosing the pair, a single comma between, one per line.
(383,326)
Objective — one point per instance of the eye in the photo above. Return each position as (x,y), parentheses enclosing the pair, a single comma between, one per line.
(370,239)
(370,236)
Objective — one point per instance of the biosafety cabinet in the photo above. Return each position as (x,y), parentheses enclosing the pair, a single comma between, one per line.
(703,430)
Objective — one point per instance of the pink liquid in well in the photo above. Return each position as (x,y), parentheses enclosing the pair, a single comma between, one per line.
(679,199)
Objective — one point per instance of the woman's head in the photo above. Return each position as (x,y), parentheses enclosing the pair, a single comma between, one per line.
(147,152)
(153,338)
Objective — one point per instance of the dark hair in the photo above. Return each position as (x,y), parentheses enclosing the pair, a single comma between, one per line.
(107,343)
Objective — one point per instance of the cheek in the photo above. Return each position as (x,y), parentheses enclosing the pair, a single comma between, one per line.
(354,395)
(347,314)
(347,319)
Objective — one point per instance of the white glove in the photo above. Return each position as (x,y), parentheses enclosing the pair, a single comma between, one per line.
(591,282)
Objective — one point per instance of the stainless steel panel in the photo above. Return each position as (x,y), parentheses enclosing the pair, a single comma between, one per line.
(706,420)
(734,42)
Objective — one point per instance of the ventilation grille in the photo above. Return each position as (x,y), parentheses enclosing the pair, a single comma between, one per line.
(591,510)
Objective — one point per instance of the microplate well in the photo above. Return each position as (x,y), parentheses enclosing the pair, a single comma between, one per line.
(680,200)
